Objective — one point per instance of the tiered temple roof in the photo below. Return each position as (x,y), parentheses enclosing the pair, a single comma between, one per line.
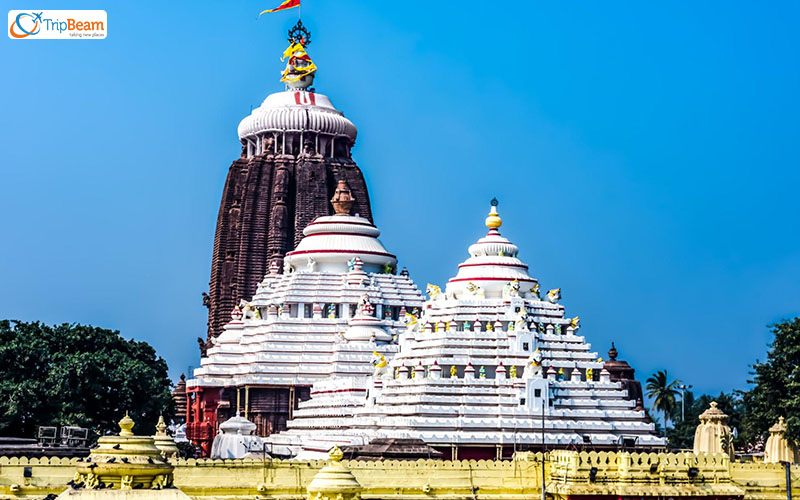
(487,361)
(335,306)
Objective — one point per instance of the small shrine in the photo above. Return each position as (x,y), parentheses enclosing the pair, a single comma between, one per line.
(713,434)
(124,466)
(778,447)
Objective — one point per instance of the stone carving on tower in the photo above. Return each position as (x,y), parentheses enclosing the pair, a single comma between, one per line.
(295,157)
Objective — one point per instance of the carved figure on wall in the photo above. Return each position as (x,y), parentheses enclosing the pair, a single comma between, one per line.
(554,295)
(247,309)
(379,362)
(521,323)
(434,292)
(533,368)
(511,289)
(474,290)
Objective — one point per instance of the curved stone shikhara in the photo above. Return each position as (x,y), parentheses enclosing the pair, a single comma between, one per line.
(481,366)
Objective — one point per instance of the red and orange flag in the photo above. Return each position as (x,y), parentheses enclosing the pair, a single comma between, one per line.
(286,4)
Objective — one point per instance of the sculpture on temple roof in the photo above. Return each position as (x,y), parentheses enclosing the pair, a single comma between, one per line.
(474,290)
(312,265)
(453,371)
(380,364)
(512,372)
(434,292)
(575,322)
(511,289)
(365,307)
(533,368)
(521,323)
(554,295)
(535,291)
(248,311)
(411,321)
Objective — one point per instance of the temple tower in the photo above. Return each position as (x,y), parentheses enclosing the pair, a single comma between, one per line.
(295,150)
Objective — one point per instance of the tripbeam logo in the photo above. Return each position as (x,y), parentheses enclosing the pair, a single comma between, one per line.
(57,24)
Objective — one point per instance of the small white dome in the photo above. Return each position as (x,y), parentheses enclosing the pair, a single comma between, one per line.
(331,241)
(492,264)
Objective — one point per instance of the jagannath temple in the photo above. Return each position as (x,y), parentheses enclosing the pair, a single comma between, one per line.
(295,149)
(327,374)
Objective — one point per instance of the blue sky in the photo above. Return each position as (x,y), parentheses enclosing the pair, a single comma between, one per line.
(645,156)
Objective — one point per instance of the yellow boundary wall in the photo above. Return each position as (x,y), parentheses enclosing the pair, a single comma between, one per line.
(567,473)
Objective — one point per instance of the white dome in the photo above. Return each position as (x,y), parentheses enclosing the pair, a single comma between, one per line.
(297,111)
(492,263)
(331,241)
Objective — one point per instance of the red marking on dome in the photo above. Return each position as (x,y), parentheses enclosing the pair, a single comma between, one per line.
(305,98)
(342,222)
(334,233)
(346,252)
(493,264)
(452,280)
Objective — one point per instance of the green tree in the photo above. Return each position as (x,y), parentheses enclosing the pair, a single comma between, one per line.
(776,386)
(78,375)
(662,392)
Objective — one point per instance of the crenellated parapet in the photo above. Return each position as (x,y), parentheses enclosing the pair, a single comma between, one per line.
(568,474)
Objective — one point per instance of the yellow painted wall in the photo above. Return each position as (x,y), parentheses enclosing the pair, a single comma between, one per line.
(567,473)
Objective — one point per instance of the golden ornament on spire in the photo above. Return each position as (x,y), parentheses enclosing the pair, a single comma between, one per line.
(335,454)
(126,425)
(494,221)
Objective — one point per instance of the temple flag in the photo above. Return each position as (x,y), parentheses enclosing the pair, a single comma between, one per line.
(286,4)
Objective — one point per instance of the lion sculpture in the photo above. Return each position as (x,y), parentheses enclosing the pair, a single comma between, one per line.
(533,367)
(474,290)
(434,292)
(511,289)
(380,364)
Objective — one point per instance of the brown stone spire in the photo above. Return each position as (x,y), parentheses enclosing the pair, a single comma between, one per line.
(342,200)
(267,201)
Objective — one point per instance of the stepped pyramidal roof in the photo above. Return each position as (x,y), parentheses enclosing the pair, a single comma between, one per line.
(491,364)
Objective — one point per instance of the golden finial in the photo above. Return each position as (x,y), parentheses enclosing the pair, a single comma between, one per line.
(494,221)
(125,425)
(335,455)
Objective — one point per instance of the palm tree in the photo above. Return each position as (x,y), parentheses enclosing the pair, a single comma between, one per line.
(663,393)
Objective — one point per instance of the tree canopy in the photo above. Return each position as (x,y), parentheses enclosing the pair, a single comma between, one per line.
(663,393)
(78,375)
(776,386)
